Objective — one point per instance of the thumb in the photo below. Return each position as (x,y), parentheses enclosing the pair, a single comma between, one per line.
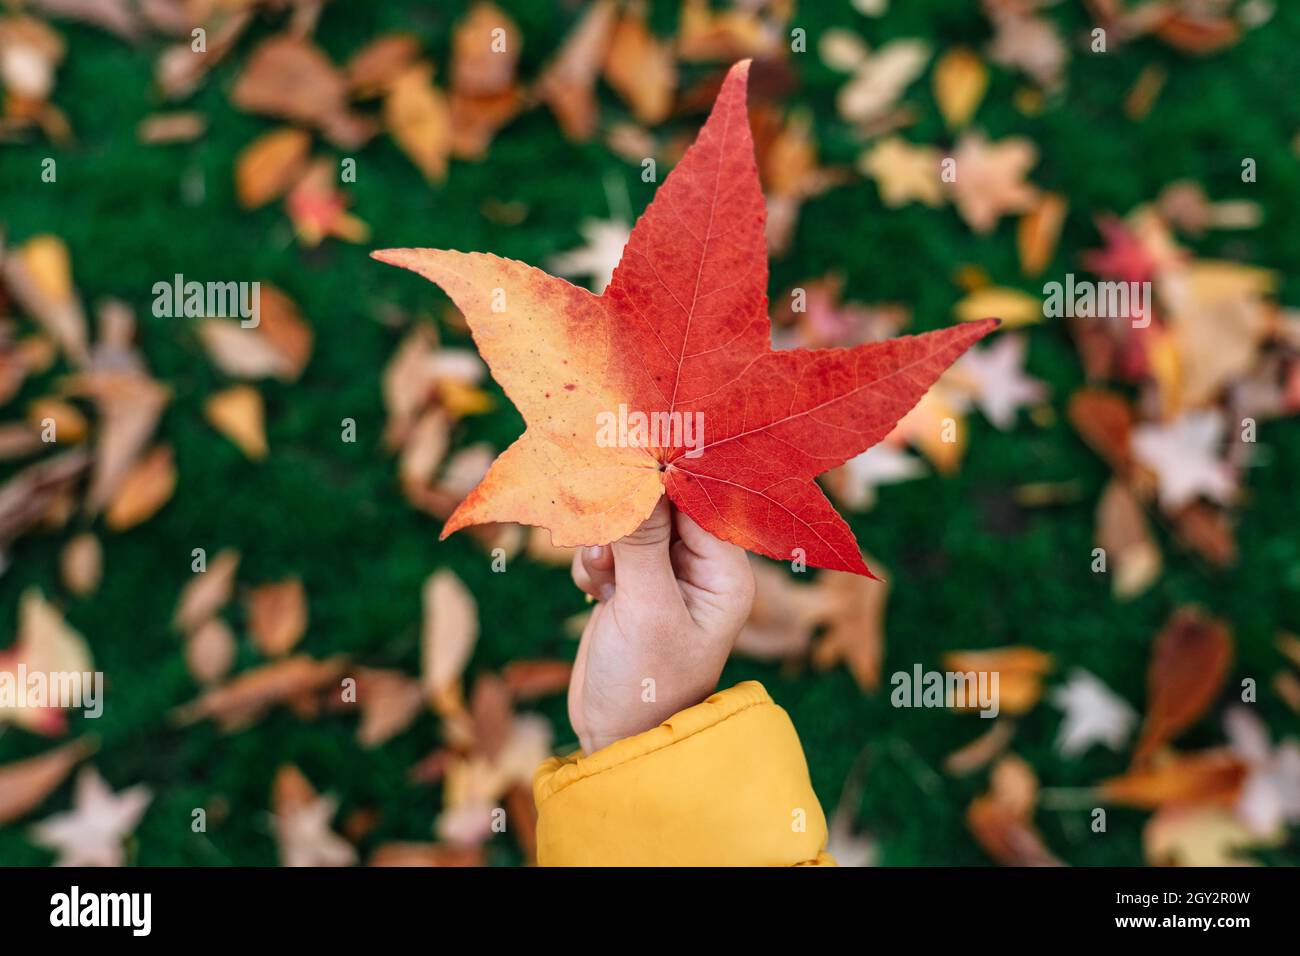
(643,570)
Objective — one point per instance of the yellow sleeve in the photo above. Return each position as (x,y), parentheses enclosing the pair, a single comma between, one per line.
(723,783)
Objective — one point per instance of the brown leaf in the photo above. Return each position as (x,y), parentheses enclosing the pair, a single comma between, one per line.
(1039,231)
(380,62)
(210,651)
(291,78)
(38,275)
(449,634)
(277,616)
(522,812)
(568,84)
(784,615)
(1210,776)
(426,854)
(418,117)
(641,68)
(855,625)
(145,489)
(237,413)
(26,498)
(163,128)
(529,680)
(485,49)
(24,784)
(981,750)
(1122,532)
(1189,663)
(267,167)
(1020,673)
(1002,820)
(129,405)
(82,564)
(960,79)
(207,593)
(245,699)
(302,823)
(1206,530)
(1105,421)
(390,701)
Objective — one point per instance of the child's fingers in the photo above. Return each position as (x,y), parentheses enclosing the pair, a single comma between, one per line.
(593,571)
(642,565)
(709,562)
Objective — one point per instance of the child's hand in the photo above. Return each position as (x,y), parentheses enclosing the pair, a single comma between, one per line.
(672,601)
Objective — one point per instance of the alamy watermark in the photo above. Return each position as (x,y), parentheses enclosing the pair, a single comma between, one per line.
(21,688)
(634,429)
(962,690)
(1085,299)
(198,300)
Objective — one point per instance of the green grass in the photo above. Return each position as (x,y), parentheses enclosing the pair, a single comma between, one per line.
(968,570)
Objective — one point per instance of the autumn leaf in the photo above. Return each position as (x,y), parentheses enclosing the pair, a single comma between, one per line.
(277,616)
(1002,820)
(24,784)
(449,635)
(301,819)
(682,330)
(1189,664)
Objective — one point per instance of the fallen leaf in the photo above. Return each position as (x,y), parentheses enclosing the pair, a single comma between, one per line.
(1002,820)
(1186,457)
(267,167)
(210,651)
(997,380)
(855,626)
(1197,836)
(567,85)
(1039,231)
(529,680)
(243,700)
(449,635)
(417,115)
(640,67)
(1020,672)
(1132,555)
(81,564)
(425,854)
(904,173)
(143,492)
(165,128)
(25,783)
(277,616)
(1189,663)
(1093,714)
(960,80)
(129,405)
(207,592)
(981,751)
(566,480)
(1012,306)
(301,819)
(378,64)
(38,275)
(238,413)
(45,644)
(989,179)
(390,701)
(92,832)
(1209,776)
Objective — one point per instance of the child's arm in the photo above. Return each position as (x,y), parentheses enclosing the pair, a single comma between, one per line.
(674,776)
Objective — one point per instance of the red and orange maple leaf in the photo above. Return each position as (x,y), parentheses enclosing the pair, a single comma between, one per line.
(681,331)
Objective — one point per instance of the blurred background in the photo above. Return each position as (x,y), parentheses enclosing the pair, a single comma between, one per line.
(238,528)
